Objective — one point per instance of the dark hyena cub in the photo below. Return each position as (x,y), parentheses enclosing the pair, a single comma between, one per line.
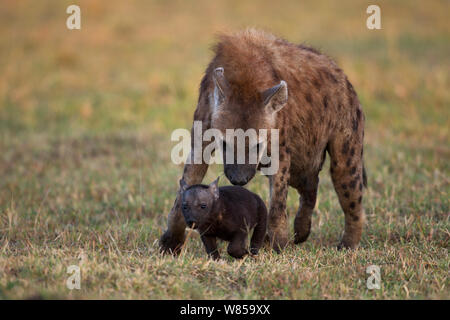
(228,213)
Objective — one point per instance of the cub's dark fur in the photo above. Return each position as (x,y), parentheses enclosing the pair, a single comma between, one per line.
(228,213)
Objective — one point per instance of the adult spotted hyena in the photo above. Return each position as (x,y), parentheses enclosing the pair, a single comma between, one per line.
(259,81)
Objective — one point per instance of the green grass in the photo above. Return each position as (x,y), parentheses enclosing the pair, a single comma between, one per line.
(85,170)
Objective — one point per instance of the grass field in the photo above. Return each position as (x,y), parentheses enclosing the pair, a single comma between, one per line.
(85,170)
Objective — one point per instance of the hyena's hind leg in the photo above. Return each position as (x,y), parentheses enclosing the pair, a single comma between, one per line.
(308,196)
(348,176)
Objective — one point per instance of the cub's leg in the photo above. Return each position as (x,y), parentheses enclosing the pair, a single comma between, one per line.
(308,195)
(260,230)
(211,247)
(238,246)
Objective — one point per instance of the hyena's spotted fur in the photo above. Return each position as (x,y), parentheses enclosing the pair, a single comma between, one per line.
(322,114)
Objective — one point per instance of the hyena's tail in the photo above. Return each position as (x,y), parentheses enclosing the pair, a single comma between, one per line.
(364,176)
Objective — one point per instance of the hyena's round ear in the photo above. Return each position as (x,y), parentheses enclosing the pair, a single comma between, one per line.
(275,98)
(214,188)
(183,185)
(220,80)
(220,86)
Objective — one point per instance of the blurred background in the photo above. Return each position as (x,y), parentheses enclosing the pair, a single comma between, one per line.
(86,115)
(139,63)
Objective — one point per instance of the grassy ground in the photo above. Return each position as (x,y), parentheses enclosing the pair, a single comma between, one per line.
(85,170)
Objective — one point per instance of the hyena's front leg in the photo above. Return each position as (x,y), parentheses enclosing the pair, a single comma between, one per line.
(172,240)
(277,223)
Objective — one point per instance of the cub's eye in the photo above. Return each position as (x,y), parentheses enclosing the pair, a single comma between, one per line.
(203,206)
(185,207)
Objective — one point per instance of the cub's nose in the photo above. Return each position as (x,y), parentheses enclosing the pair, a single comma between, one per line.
(190,222)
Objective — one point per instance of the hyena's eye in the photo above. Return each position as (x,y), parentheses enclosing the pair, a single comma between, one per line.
(260,147)
(184,206)
(203,206)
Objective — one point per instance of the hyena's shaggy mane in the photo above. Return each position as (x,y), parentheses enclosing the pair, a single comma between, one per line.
(250,61)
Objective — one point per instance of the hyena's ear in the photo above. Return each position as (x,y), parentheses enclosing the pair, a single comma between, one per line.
(214,188)
(220,86)
(183,185)
(275,98)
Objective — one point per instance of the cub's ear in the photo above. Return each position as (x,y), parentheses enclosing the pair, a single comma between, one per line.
(220,86)
(183,185)
(275,98)
(214,188)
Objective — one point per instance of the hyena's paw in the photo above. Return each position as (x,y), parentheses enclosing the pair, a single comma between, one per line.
(278,240)
(351,237)
(171,244)
(347,245)
(302,230)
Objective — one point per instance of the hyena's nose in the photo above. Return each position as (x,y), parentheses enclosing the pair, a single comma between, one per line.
(239,181)
(236,178)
